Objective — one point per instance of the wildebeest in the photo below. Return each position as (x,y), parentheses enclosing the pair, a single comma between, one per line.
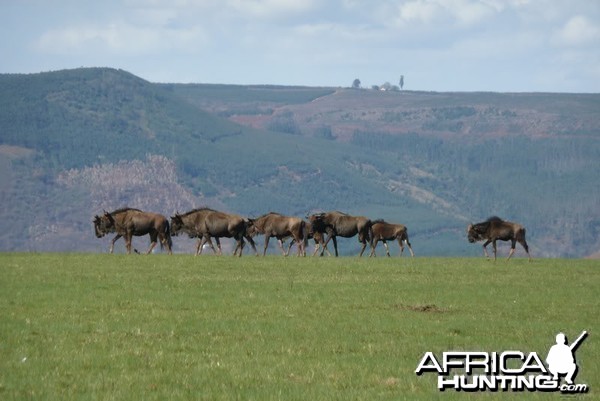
(494,229)
(127,222)
(204,223)
(341,224)
(280,226)
(383,231)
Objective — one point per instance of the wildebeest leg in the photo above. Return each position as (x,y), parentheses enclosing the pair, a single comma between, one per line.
(331,235)
(153,239)
(280,243)
(112,244)
(164,242)
(334,245)
(319,243)
(128,236)
(375,242)
(364,245)
(300,244)
(401,245)
(512,250)
(485,252)
(526,247)
(267,237)
(198,247)
(387,248)
(412,254)
(152,245)
(201,245)
(218,241)
(212,246)
(205,240)
(317,246)
(513,244)
(289,248)
(251,241)
(240,245)
(495,250)
(520,237)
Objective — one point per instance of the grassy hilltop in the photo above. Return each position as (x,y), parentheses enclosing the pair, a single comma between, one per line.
(75,142)
(81,326)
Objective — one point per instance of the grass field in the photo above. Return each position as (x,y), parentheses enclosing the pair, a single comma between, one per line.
(117,327)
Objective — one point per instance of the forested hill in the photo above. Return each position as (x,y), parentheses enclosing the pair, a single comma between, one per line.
(75,142)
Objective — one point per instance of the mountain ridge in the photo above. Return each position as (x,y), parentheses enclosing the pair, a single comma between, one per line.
(433,161)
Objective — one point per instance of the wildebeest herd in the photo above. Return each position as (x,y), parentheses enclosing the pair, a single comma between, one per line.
(207,224)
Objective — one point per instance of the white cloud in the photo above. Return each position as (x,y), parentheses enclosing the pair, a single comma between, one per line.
(578,31)
(420,11)
(119,38)
(447,12)
(270,8)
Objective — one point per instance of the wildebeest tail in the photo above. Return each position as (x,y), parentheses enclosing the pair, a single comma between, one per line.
(168,238)
(370,233)
(520,236)
(304,233)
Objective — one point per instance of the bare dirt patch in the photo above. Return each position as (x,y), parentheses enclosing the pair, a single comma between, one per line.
(428,308)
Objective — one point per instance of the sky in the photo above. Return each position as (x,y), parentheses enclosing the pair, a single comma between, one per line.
(437,45)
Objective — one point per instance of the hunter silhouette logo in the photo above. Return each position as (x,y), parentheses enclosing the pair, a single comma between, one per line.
(561,358)
(508,370)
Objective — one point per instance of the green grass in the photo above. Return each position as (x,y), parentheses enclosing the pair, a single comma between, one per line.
(117,327)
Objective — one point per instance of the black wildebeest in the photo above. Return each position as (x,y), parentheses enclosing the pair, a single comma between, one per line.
(127,222)
(494,229)
(204,223)
(343,225)
(280,226)
(383,231)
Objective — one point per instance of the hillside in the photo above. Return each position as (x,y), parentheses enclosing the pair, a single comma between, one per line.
(75,142)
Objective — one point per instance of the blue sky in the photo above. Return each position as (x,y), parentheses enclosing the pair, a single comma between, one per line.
(438,45)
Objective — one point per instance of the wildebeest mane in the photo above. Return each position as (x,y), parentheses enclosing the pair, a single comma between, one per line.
(337,211)
(379,221)
(196,210)
(125,209)
(267,214)
(482,227)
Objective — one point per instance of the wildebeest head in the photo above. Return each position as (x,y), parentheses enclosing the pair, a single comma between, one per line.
(317,222)
(104,224)
(176,224)
(250,229)
(254,226)
(474,233)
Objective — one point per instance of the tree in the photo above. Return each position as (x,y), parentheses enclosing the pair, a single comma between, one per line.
(401,81)
(356,84)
